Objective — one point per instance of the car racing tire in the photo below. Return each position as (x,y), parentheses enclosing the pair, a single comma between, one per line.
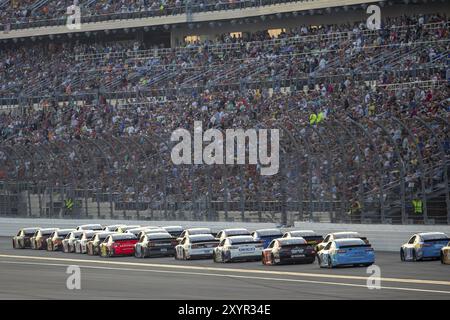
(215,257)
(223,257)
(184,255)
(414,255)
(442,258)
(402,255)
(263,260)
(330,263)
(14,244)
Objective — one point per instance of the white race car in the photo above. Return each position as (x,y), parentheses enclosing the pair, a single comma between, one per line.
(198,246)
(68,244)
(238,248)
(113,227)
(81,244)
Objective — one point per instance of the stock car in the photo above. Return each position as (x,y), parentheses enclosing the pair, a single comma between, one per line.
(118,244)
(113,228)
(425,245)
(68,244)
(175,231)
(93,245)
(340,235)
(39,240)
(289,250)
(123,229)
(22,239)
(445,254)
(81,244)
(238,248)
(54,242)
(200,246)
(310,236)
(94,227)
(266,236)
(343,252)
(194,231)
(232,232)
(155,244)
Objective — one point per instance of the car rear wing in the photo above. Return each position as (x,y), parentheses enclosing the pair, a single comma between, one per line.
(437,240)
(355,246)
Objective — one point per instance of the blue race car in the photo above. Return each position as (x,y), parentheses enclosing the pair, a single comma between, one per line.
(265,236)
(425,245)
(346,252)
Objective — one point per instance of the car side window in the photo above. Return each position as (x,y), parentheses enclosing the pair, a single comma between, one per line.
(222,243)
(183,241)
(219,234)
(412,240)
(327,238)
(272,245)
(328,246)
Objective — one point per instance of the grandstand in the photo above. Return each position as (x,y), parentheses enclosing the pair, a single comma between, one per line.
(87,114)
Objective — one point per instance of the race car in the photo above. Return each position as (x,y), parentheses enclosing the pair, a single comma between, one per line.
(422,246)
(123,229)
(340,235)
(113,228)
(289,250)
(93,245)
(136,231)
(94,227)
(155,244)
(348,251)
(445,254)
(81,244)
(118,244)
(238,248)
(39,240)
(22,239)
(310,236)
(175,231)
(232,232)
(54,242)
(68,244)
(197,246)
(265,236)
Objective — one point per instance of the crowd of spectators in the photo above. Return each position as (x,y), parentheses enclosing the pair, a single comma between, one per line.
(122,145)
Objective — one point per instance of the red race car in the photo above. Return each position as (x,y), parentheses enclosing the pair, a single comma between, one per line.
(119,244)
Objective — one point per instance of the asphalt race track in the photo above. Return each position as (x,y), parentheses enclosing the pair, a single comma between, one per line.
(30,274)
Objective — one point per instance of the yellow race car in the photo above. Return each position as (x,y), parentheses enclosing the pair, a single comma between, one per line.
(445,254)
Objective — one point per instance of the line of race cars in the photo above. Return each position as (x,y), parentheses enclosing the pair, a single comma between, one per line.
(271,246)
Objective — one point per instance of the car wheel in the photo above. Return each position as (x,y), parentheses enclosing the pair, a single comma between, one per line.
(223,257)
(402,255)
(137,252)
(263,259)
(414,255)
(442,258)
(14,244)
(184,255)
(330,264)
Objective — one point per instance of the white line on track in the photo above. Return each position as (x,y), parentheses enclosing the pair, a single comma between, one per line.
(202,274)
(233,270)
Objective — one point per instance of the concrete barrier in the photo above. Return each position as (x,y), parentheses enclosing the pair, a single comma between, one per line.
(383,237)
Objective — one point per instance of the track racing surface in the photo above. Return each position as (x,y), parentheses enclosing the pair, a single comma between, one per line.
(31,274)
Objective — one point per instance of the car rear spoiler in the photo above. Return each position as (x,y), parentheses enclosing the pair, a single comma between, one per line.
(436,240)
(356,246)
